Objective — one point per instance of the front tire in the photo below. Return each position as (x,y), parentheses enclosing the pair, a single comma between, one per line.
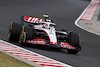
(14,31)
(74,40)
(27,33)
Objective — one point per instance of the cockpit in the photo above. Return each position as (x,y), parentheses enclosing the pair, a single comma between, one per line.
(46,25)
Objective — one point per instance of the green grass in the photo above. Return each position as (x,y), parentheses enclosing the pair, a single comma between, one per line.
(7,61)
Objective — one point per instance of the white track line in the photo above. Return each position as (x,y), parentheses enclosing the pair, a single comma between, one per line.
(49,59)
(76,22)
(78,19)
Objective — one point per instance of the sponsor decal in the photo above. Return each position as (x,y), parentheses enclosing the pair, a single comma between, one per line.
(37,41)
(66,45)
(32,19)
(53,43)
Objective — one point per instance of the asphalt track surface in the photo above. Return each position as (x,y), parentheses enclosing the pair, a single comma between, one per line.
(64,13)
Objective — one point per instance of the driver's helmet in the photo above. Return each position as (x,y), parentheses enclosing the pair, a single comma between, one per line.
(45,16)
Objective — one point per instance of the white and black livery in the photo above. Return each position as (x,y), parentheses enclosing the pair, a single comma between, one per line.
(42,31)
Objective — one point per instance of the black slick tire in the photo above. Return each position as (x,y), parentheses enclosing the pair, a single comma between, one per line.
(74,40)
(27,33)
(14,31)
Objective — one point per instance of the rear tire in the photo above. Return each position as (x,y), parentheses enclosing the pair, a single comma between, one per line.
(74,40)
(14,31)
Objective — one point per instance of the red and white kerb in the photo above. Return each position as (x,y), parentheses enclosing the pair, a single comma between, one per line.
(31,56)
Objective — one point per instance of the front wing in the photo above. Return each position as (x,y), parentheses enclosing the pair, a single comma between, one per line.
(44,42)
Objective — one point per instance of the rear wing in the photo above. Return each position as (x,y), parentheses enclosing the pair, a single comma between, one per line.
(31,19)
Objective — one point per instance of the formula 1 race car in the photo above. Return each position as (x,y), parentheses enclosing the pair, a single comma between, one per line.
(42,31)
